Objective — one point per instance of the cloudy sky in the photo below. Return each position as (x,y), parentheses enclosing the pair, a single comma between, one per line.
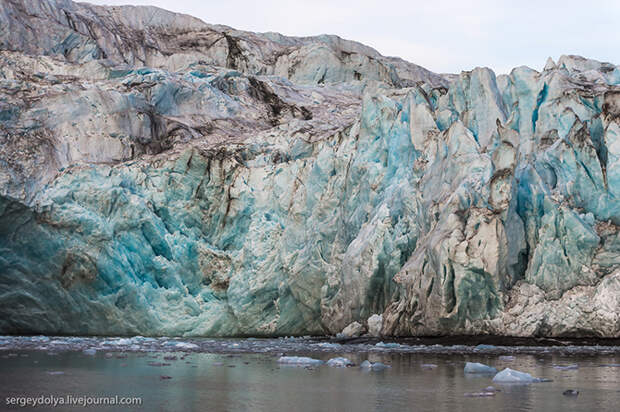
(442,35)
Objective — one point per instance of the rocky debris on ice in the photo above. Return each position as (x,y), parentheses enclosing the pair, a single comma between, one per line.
(474,367)
(339,362)
(570,392)
(299,361)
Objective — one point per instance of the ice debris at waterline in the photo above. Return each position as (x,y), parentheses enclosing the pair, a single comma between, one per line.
(566,367)
(278,346)
(474,367)
(167,177)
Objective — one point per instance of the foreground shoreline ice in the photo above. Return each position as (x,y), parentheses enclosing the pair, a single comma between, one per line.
(275,345)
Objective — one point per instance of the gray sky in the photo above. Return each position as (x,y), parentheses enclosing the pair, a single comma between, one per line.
(441,35)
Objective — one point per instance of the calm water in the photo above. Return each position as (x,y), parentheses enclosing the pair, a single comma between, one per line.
(256,382)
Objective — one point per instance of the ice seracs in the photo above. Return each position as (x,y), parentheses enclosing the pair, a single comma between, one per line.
(168,177)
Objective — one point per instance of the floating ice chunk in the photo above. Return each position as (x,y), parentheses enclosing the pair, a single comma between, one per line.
(566,367)
(428,366)
(299,360)
(55,373)
(377,366)
(482,347)
(390,345)
(328,345)
(158,364)
(474,367)
(511,376)
(339,362)
(189,345)
(482,394)
(570,392)
(117,342)
(507,358)
(90,352)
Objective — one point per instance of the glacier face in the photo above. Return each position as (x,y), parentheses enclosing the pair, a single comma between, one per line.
(162,176)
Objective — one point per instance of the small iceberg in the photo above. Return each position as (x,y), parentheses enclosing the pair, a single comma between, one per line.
(474,367)
(339,362)
(90,352)
(377,366)
(511,376)
(299,361)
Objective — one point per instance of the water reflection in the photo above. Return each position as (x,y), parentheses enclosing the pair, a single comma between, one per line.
(219,382)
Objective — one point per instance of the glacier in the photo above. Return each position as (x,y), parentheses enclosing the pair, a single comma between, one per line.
(161,176)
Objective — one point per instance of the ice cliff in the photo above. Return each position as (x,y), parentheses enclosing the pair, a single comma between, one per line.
(163,176)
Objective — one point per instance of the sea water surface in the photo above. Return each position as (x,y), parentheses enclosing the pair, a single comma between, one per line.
(246,375)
